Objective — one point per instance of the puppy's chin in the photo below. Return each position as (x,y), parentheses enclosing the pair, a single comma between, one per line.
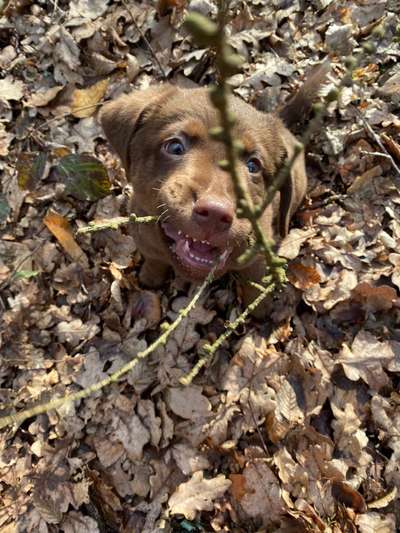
(193,258)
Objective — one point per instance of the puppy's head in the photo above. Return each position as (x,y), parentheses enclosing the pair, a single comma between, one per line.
(161,136)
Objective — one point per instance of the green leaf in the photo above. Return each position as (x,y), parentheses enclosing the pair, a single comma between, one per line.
(84,176)
(4,209)
(30,168)
(26,274)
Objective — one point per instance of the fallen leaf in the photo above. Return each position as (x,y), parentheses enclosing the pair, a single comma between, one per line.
(350,497)
(366,359)
(164,7)
(84,101)
(197,494)
(30,168)
(188,402)
(302,276)
(238,487)
(84,176)
(384,501)
(11,89)
(43,98)
(60,228)
(263,493)
(375,299)
(375,523)
(4,209)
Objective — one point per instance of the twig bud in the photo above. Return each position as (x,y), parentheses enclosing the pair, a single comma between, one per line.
(224,164)
(369,47)
(332,95)
(379,32)
(204,31)
(217,96)
(350,62)
(217,133)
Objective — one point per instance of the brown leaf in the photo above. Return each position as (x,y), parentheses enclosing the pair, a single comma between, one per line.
(42,98)
(302,276)
(344,493)
(374,299)
(197,494)
(392,146)
(164,7)
(30,168)
(238,487)
(60,228)
(84,101)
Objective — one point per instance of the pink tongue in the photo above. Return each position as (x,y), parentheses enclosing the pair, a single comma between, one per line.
(203,249)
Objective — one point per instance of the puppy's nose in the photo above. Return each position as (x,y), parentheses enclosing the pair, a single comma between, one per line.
(213,214)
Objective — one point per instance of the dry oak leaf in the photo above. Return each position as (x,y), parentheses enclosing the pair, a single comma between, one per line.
(263,496)
(11,89)
(197,494)
(43,98)
(60,228)
(366,359)
(188,402)
(84,101)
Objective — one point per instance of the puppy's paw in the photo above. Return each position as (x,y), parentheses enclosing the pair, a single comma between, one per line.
(153,274)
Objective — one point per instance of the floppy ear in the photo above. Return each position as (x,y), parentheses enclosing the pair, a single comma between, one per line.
(295,186)
(123,117)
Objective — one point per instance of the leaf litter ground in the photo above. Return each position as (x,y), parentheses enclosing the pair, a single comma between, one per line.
(296,424)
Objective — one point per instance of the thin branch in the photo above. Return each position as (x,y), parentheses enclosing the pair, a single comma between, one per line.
(146,41)
(210,349)
(378,141)
(115,223)
(20,417)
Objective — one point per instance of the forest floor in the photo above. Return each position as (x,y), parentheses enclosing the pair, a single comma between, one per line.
(295,426)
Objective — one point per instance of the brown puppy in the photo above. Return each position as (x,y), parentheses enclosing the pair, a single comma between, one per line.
(161,136)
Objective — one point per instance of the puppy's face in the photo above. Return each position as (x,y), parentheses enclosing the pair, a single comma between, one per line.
(162,138)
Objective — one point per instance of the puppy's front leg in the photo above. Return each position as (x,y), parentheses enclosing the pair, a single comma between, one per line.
(153,273)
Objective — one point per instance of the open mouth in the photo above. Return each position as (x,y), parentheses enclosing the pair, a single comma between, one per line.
(196,256)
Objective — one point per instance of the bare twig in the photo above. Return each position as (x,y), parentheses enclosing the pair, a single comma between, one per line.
(211,349)
(115,223)
(378,141)
(145,40)
(20,417)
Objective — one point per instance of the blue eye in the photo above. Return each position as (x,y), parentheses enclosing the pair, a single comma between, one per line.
(174,147)
(253,165)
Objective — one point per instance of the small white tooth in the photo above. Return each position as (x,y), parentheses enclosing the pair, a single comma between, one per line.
(194,240)
(203,242)
(187,236)
(179,232)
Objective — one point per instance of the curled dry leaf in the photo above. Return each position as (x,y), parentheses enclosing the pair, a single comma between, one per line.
(302,276)
(350,497)
(60,228)
(84,101)
(197,494)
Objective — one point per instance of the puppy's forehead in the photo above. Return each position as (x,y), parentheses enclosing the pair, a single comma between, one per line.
(193,107)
